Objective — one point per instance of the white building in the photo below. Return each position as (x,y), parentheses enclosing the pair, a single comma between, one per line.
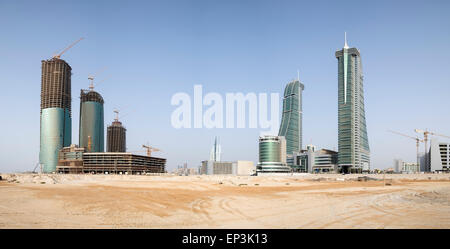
(242,168)
(439,156)
(312,160)
(410,167)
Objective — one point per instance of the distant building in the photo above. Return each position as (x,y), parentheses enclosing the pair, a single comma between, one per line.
(439,159)
(75,160)
(410,167)
(227,168)
(244,168)
(291,121)
(272,155)
(216,151)
(353,143)
(398,165)
(116,137)
(217,168)
(192,171)
(312,161)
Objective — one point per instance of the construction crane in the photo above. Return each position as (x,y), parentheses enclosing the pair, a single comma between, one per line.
(150,149)
(426,133)
(35,167)
(92,77)
(57,56)
(117,113)
(418,140)
(116,119)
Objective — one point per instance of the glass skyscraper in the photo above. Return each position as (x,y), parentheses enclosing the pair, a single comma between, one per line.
(353,144)
(291,121)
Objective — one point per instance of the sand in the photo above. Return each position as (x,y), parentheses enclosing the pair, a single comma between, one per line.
(301,201)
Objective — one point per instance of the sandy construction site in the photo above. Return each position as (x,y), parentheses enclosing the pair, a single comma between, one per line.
(301,201)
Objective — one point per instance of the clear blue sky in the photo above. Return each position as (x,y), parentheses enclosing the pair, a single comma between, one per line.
(153,49)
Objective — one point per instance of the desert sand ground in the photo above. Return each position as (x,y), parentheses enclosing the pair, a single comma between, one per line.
(301,201)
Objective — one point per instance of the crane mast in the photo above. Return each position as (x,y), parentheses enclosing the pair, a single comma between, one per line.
(427,133)
(418,141)
(150,149)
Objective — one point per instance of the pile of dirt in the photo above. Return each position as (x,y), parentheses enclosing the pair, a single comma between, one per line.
(366,178)
(32,178)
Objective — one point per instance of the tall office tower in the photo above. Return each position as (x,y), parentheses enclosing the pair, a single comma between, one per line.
(291,121)
(116,136)
(353,144)
(92,129)
(56,111)
(272,155)
(216,150)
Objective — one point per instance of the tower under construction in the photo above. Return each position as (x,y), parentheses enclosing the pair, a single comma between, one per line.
(56,111)
(92,130)
(116,136)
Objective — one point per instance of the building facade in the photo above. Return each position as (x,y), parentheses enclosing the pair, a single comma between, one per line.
(315,161)
(56,112)
(272,155)
(291,121)
(353,144)
(410,167)
(439,156)
(92,129)
(76,160)
(242,168)
(116,137)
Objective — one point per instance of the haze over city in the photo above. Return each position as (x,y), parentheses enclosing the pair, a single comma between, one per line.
(152,50)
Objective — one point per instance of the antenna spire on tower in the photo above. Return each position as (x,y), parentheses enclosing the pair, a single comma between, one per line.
(345,40)
(298,75)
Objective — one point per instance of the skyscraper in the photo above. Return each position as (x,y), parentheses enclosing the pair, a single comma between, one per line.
(216,150)
(116,140)
(353,144)
(56,111)
(92,131)
(291,121)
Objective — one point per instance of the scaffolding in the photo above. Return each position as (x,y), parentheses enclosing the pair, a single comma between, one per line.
(116,137)
(56,84)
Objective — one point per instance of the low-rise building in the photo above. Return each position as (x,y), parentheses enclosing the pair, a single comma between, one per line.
(75,160)
(312,161)
(410,168)
(227,168)
(272,155)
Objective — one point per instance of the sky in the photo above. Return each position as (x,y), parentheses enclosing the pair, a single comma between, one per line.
(155,49)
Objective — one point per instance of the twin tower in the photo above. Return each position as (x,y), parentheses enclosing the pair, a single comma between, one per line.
(56,117)
(353,144)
